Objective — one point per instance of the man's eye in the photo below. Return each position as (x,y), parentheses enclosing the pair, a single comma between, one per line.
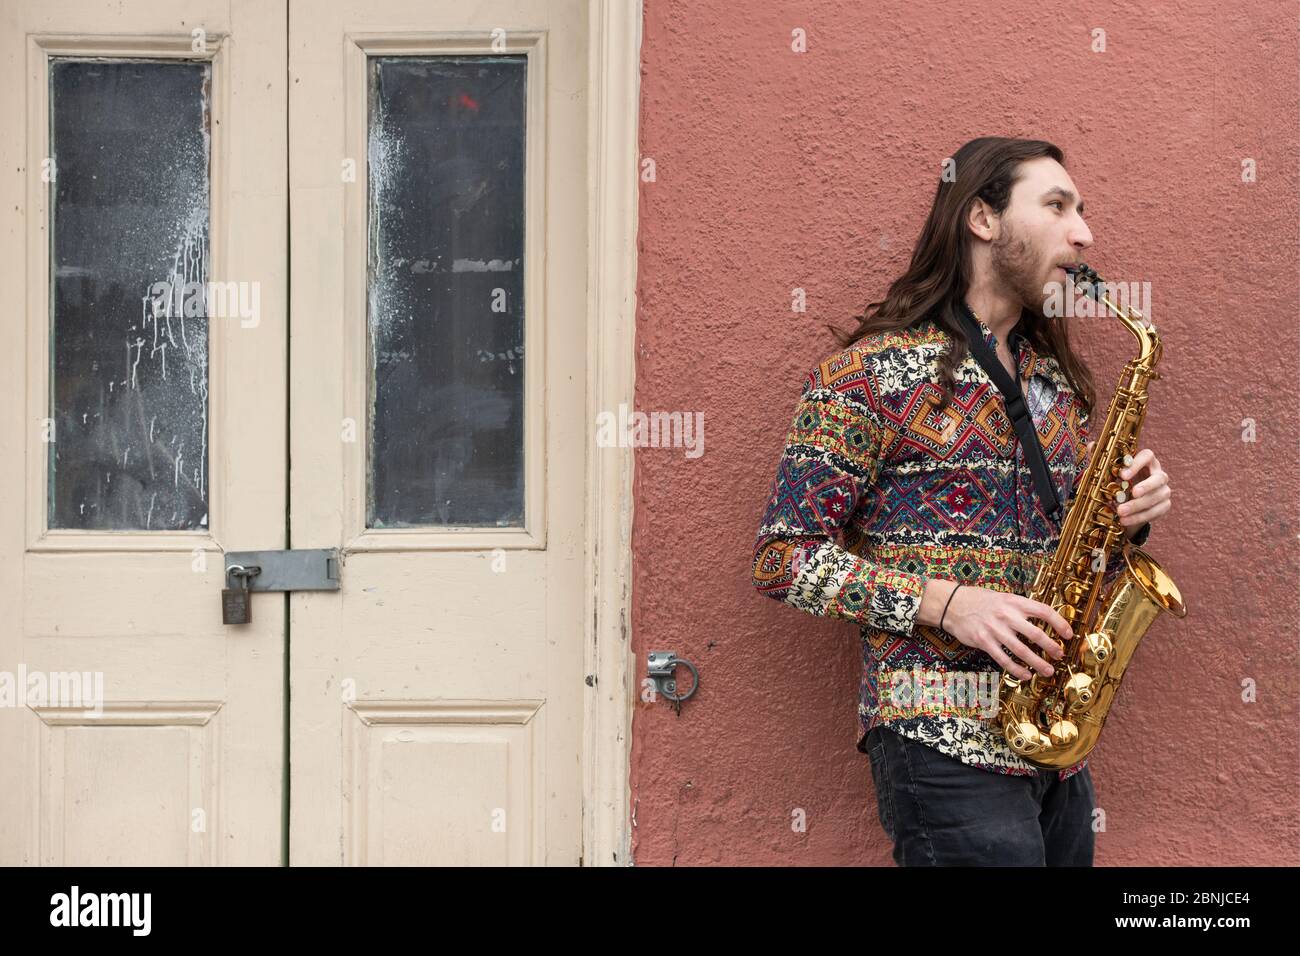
(1057,202)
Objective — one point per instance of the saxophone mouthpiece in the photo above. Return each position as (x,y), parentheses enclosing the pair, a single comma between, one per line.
(1085,279)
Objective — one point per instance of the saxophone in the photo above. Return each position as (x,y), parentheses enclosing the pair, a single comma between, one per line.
(1054,722)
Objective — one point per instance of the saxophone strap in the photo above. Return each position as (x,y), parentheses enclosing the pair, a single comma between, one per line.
(1014,400)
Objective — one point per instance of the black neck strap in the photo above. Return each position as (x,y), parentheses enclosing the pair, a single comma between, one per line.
(1014,400)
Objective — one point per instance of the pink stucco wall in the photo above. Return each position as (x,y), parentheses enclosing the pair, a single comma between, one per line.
(776,170)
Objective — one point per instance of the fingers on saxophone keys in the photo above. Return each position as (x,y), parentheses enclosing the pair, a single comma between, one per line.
(1058,622)
(1041,638)
(1023,656)
(1047,613)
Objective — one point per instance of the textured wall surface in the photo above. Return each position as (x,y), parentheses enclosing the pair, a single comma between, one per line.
(776,170)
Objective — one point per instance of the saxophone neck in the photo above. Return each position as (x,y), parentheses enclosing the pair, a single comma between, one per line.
(1145,333)
(1089,283)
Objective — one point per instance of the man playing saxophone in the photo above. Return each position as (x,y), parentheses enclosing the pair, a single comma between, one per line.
(904,501)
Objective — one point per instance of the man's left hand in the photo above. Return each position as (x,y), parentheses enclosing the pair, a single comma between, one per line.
(1148,493)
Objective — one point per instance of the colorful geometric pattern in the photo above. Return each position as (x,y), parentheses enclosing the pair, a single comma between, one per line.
(876,492)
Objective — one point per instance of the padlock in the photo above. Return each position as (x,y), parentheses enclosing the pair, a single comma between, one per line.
(236,604)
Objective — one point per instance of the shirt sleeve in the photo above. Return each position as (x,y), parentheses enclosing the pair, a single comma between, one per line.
(829,461)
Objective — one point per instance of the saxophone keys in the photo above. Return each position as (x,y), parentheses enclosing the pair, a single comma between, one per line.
(1024,738)
(1097,650)
(1121,496)
(1078,692)
(1063,733)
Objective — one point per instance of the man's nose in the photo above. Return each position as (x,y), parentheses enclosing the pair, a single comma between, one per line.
(1080,235)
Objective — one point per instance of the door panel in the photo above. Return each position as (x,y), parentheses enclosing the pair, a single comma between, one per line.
(438,353)
(146,429)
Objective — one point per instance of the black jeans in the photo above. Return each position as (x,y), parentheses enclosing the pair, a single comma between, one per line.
(942,812)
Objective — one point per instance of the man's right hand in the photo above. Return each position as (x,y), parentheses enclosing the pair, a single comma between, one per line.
(994,620)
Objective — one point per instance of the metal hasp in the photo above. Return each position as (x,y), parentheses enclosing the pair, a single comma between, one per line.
(307,569)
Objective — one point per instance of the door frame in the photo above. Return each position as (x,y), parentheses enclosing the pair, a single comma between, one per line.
(614,70)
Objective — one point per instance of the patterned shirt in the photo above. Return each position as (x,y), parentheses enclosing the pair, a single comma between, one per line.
(915,495)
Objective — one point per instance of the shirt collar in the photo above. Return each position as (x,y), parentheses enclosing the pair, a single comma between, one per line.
(1028,362)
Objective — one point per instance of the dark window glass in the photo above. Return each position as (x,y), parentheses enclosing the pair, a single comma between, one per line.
(129,376)
(445,291)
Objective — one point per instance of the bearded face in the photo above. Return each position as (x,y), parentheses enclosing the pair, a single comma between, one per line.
(1042,231)
(1023,268)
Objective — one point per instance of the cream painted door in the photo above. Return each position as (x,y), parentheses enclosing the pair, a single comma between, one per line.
(436,364)
(143,157)
(438,208)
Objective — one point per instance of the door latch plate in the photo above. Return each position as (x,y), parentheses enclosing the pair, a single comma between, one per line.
(293,569)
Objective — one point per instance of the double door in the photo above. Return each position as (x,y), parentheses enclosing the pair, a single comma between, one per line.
(293,276)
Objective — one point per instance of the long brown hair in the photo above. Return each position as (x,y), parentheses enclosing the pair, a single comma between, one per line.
(940,270)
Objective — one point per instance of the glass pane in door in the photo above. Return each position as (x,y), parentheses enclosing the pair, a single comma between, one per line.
(130,144)
(445,305)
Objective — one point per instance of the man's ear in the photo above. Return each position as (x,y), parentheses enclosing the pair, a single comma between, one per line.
(982,220)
